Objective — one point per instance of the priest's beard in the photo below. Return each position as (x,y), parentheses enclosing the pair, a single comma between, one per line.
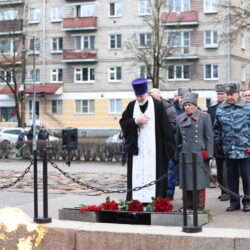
(142,103)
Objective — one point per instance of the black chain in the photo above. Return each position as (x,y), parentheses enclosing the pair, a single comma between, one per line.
(221,186)
(107,190)
(18,179)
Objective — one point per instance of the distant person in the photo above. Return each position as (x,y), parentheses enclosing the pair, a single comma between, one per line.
(123,149)
(43,134)
(30,134)
(21,137)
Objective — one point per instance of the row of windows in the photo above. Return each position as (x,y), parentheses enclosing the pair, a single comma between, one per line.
(87,74)
(87,42)
(87,106)
(115,9)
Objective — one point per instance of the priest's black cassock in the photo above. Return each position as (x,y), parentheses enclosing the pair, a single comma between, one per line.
(164,143)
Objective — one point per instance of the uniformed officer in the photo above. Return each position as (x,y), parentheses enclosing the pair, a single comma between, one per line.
(232,136)
(194,135)
(219,157)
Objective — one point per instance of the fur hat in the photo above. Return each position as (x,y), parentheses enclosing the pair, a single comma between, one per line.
(191,98)
(140,86)
(231,87)
(219,87)
(182,91)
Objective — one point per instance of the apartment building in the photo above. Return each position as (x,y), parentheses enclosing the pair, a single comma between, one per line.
(75,53)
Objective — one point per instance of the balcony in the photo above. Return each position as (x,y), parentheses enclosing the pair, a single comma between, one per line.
(79,23)
(189,18)
(11,2)
(9,27)
(183,53)
(71,56)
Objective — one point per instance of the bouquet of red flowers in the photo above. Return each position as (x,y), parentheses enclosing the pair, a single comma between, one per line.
(110,205)
(135,206)
(163,205)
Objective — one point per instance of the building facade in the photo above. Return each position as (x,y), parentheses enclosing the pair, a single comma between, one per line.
(78,57)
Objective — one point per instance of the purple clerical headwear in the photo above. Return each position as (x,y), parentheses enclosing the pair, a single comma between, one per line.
(140,86)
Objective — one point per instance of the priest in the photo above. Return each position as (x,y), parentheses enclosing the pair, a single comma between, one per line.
(149,142)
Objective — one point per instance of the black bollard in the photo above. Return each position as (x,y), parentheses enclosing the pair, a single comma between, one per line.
(35,184)
(45,218)
(195,228)
(184,190)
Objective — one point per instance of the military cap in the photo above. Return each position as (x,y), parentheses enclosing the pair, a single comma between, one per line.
(190,97)
(219,87)
(182,91)
(140,86)
(231,87)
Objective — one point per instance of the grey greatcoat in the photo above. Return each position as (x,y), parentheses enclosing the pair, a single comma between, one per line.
(194,134)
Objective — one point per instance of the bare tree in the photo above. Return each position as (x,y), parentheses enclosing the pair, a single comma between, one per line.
(236,14)
(12,62)
(153,53)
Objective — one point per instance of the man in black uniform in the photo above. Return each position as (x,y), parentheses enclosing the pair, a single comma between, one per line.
(219,156)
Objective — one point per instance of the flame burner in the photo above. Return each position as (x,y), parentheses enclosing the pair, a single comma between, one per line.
(17,231)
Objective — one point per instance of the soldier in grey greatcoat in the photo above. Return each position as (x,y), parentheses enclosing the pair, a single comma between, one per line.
(232,137)
(194,135)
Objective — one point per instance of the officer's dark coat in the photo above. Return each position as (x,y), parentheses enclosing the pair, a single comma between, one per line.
(193,135)
(165,144)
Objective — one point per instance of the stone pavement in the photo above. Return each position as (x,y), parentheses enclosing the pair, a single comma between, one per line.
(64,193)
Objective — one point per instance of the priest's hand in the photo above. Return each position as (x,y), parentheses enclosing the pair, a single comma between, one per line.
(142,120)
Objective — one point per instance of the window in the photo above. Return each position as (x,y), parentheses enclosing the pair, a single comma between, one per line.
(115,73)
(8,45)
(57,106)
(145,72)
(211,39)
(85,42)
(5,76)
(85,106)
(57,75)
(35,15)
(145,40)
(243,73)
(115,9)
(7,114)
(8,15)
(85,10)
(211,72)
(84,75)
(115,106)
(178,5)
(180,39)
(211,6)
(115,41)
(56,14)
(145,7)
(57,44)
(35,75)
(179,72)
(35,46)
(242,41)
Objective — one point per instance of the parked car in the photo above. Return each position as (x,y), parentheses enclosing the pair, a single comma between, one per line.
(114,138)
(10,135)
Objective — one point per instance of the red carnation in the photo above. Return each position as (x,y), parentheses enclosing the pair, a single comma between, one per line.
(82,210)
(163,205)
(94,208)
(204,154)
(135,206)
(110,205)
(247,151)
